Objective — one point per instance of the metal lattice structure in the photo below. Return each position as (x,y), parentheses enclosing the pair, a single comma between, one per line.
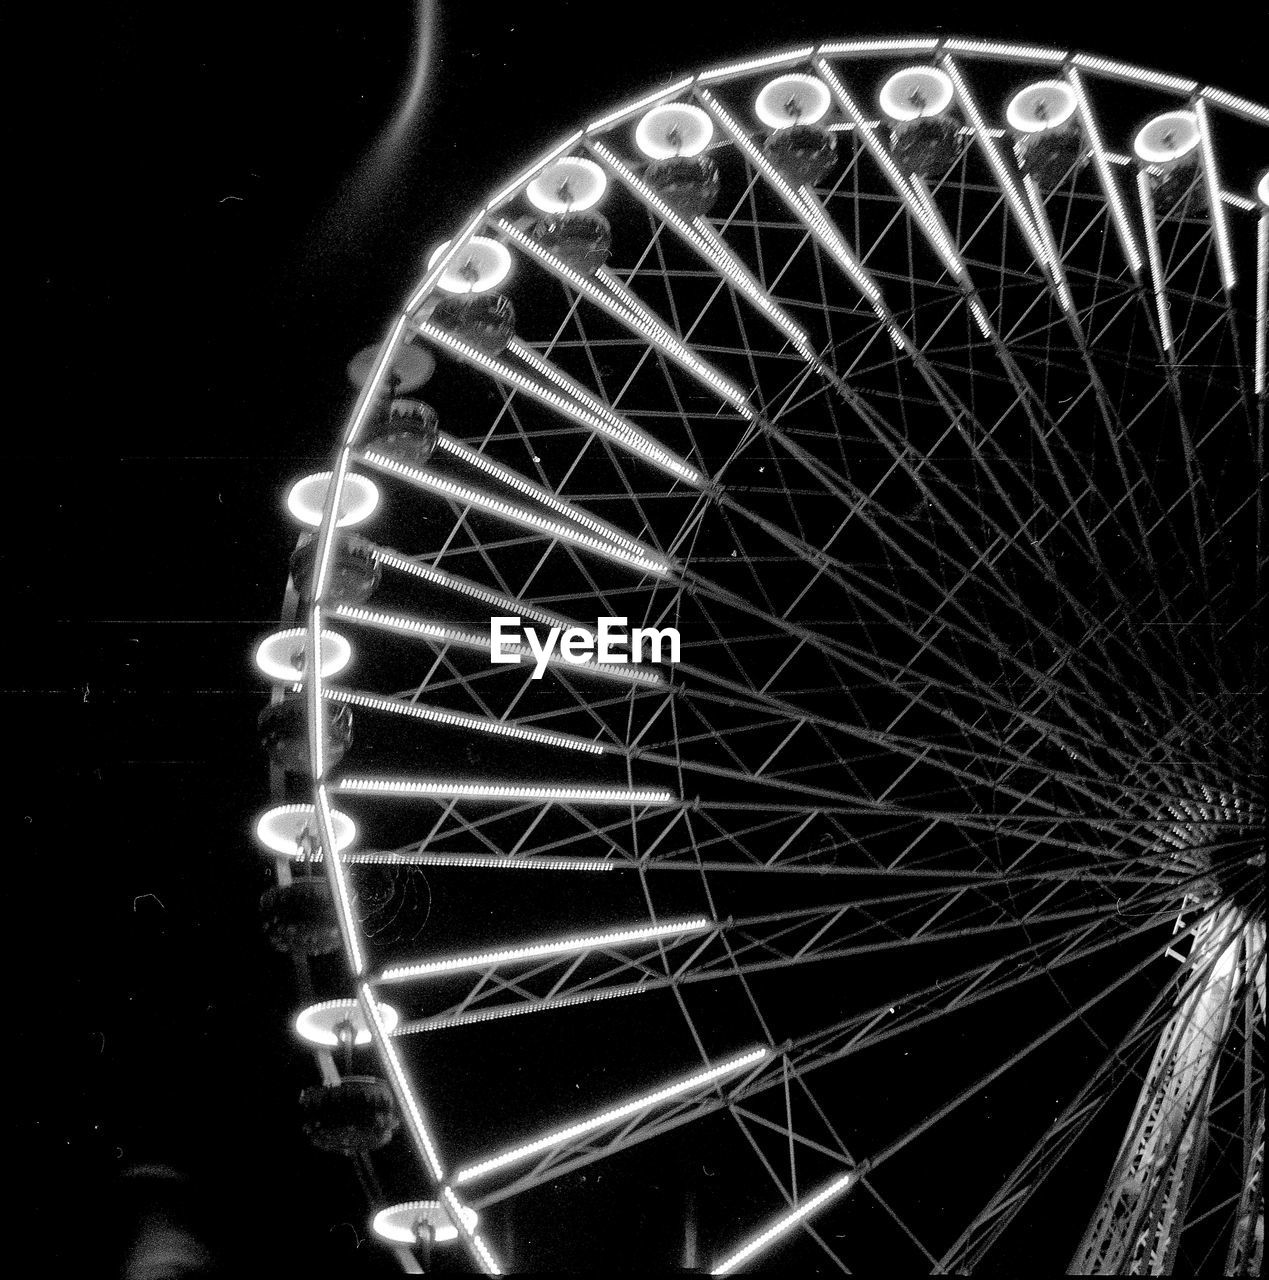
(939,441)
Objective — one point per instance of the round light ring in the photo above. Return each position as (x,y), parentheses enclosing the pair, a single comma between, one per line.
(673,129)
(319,1024)
(791,100)
(357,499)
(916,92)
(568,185)
(1262,189)
(1167,138)
(480,265)
(278,656)
(1047,104)
(397,1224)
(281,829)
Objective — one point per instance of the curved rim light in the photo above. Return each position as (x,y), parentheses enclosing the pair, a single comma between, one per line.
(915,93)
(276,654)
(567,186)
(792,99)
(674,129)
(279,829)
(318,1023)
(396,1223)
(358,499)
(1166,138)
(1262,188)
(1047,104)
(480,265)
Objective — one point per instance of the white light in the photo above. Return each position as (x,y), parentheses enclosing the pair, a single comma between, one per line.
(755,64)
(397,1224)
(1262,308)
(283,828)
(358,499)
(567,185)
(497,862)
(633,108)
(281,655)
(792,100)
(482,1249)
(1212,181)
(916,93)
(514,186)
(605,1118)
(627,309)
(480,265)
(635,796)
(1155,259)
(781,1226)
(674,129)
(1110,189)
(904,43)
(518,515)
(542,950)
(319,1023)
(1139,75)
(625,436)
(1167,137)
(451,582)
(440,634)
(1019,52)
(514,480)
(459,720)
(1239,106)
(1047,104)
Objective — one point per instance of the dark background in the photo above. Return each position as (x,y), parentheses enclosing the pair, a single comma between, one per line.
(203,241)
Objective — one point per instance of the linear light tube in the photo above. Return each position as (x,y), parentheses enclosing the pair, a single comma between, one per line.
(639,796)
(782,1226)
(1211,178)
(541,950)
(604,1118)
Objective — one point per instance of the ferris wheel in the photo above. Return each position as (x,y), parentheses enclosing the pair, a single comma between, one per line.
(793,569)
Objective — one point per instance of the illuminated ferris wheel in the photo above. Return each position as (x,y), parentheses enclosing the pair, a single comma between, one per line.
(907,398)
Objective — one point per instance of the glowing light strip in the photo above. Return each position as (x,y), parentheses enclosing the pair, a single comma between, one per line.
(1239,202)
(499,862)
(404,1091)
(782,1226)
(1139,75)
(626,436)
(644,797)
(517,515)
(451,582)
(1240,106)
(1211,178)
(541,950)
(433,631)
(702,238)
(1156,260)
(458,720)
(628,310)
(1004,178)
(443,1022)
(1020,52)
(1045,231)
(910,194)
(473,1237)
(1262,303)
(335,875)
(526,176)
(440,266)
(605,1118)
(633,108)
(799,201)
(1110,188)
(539,493)
(879,46)
(756,64)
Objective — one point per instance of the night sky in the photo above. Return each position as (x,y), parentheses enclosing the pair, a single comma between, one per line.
(207,234)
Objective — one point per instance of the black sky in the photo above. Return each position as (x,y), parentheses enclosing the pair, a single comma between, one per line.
(197,260)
